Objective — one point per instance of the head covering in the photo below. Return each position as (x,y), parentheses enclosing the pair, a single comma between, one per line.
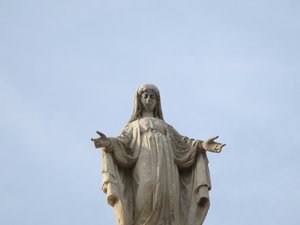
(138,109)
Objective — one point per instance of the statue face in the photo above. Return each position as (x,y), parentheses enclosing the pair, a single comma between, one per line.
(148,99)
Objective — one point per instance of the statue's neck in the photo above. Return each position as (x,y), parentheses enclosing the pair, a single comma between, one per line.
(147,114)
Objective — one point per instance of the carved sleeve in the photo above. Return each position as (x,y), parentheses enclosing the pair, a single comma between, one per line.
(184,148)
(122,153)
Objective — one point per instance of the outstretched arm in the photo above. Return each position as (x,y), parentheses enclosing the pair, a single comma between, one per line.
(211,146)
(120,152)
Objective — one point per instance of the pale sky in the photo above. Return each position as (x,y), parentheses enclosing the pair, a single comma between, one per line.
(227,68)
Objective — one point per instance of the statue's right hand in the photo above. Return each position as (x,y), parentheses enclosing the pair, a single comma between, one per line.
(102,141)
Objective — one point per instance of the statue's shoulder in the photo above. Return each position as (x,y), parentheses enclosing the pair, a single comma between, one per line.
(130,125)
(167,124)
(170,128)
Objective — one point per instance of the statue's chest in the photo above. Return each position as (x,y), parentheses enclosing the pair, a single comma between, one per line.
(152,125)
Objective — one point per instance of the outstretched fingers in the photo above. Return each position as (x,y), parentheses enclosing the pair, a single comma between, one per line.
(101,134)
(219,147)
(213,138)
(223,145)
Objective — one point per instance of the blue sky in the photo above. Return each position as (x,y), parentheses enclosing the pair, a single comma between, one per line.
(227,68)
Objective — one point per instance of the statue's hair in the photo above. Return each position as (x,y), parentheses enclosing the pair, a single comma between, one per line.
(138,107)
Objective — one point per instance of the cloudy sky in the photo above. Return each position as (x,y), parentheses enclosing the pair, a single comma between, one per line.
(228,68)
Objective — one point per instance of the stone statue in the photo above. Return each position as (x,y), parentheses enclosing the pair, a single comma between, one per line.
(151,174)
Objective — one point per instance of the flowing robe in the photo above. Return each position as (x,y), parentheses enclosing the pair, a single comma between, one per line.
(155,176)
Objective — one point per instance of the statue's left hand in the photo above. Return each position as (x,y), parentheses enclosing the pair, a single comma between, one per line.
(212,146)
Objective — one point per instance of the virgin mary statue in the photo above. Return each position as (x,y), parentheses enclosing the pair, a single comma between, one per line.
(151,174)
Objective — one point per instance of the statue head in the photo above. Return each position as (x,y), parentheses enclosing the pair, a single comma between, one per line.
(139,106)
